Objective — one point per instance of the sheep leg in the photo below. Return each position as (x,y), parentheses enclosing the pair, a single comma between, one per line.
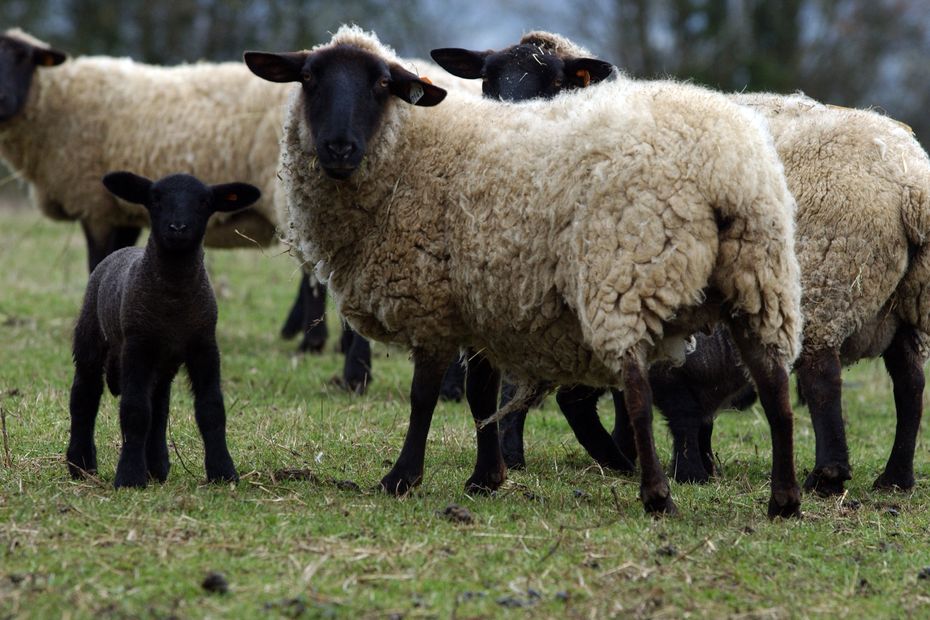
(313,319)
(481,386)
(771,380)
(821,383)
(356,371)
(623,430)
(103,239)
(453,382)
(135,414)
(654,490)
(424,393)
(156,447)
(203,367)
(511,430)
(705,437)
(905,366)
(579,406)
(86,389)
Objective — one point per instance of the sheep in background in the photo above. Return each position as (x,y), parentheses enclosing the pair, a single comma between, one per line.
(146,312)
(465,233)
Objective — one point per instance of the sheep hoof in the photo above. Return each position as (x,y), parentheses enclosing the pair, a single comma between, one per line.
(894,482)
(827,480)
(127,477)
(82,463)
(221,472)
(785,503)
(451,393)
(514,459)
(658,501)
(312,345)
(485,483)
(159,472)
(398,484)
(690,475)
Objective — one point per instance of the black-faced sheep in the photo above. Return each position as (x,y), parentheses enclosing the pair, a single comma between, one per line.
(463,233)
(146,312)
(862,184)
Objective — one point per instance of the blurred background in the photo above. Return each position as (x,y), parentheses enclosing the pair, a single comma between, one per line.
(862,53)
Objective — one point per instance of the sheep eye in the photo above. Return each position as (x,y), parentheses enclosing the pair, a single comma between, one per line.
(306,77)
(384,82)
(557,82)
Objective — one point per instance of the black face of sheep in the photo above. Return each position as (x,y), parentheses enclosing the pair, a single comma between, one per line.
(179,205)
(522,72)
(346,91)
(18,62)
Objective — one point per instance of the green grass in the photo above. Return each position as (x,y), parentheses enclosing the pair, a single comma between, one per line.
(561,538)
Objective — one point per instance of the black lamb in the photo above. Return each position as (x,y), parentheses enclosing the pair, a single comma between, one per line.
(147,311)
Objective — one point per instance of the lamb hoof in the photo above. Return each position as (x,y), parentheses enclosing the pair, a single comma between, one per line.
(398,484)
(514,459)
(451,393)
(81,463)
(136,478)
(619,464)
(894,482)
(159,472)
(485,483)
(828,480)
(785,503)
(659,501)
(690,475)
(312,345)
(221,472)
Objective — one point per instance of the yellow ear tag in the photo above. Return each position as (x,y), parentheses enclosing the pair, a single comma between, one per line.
(585,77)
(423,78)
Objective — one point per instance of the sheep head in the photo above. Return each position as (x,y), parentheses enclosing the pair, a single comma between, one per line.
(346,91)
(20,56)
(522,72)
(179,205)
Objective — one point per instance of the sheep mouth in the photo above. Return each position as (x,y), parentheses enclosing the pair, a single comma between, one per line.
(339,173)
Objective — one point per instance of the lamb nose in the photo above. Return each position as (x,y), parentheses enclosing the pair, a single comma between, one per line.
(177,227)
(340,150)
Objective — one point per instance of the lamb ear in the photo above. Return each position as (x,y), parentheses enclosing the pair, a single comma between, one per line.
(581,72)
(128,186)
(413,89)
(284,67)
(460,62)
(234,196)
(47,57)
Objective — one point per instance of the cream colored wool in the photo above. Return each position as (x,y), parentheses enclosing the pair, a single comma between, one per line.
(556,236)
(93,115)
(862,185)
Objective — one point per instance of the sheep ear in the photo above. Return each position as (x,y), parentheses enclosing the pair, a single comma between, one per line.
(460,62)
(47,57)
(582,72)
(234,196)
(284,67)
(128,186)
(413,89)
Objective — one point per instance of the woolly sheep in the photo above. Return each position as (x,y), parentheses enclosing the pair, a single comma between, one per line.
(464,233)
(146,312)
(862,184)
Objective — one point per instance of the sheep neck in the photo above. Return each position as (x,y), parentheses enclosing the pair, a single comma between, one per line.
(173,272)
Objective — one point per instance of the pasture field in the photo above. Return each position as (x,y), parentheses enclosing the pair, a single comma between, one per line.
(561,539)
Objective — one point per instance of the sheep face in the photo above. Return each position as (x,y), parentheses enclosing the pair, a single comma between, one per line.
(346,91)
(522,72)
(179,205)
(18,62)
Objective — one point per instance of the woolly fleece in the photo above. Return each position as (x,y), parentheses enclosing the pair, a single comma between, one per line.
(556,236)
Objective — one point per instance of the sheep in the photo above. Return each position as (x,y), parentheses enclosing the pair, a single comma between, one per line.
(146,312)
(862,183)
(465,233)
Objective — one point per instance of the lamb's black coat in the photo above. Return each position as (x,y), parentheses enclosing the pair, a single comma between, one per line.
(146,312)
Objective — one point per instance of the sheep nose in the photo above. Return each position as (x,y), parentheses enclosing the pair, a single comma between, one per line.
(340,150)
(177,227)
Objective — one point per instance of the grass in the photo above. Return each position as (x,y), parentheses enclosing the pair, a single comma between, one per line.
(561,539)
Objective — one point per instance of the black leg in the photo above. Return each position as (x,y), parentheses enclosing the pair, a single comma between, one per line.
(653,490)
(623,430)
(821,383)
(905,366)
(579,406)
(203,367)
(346,338)
(135,414)
(294,321)
(424,393)
(771,381)
(356,373)
(688,462)
(705,441)
(156,448)
(453,383)
(481,386)
(511,430)
(313,323)
(86,389)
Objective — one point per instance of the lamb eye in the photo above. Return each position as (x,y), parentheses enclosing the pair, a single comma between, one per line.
(557,82)
(384,82)
(306,77)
